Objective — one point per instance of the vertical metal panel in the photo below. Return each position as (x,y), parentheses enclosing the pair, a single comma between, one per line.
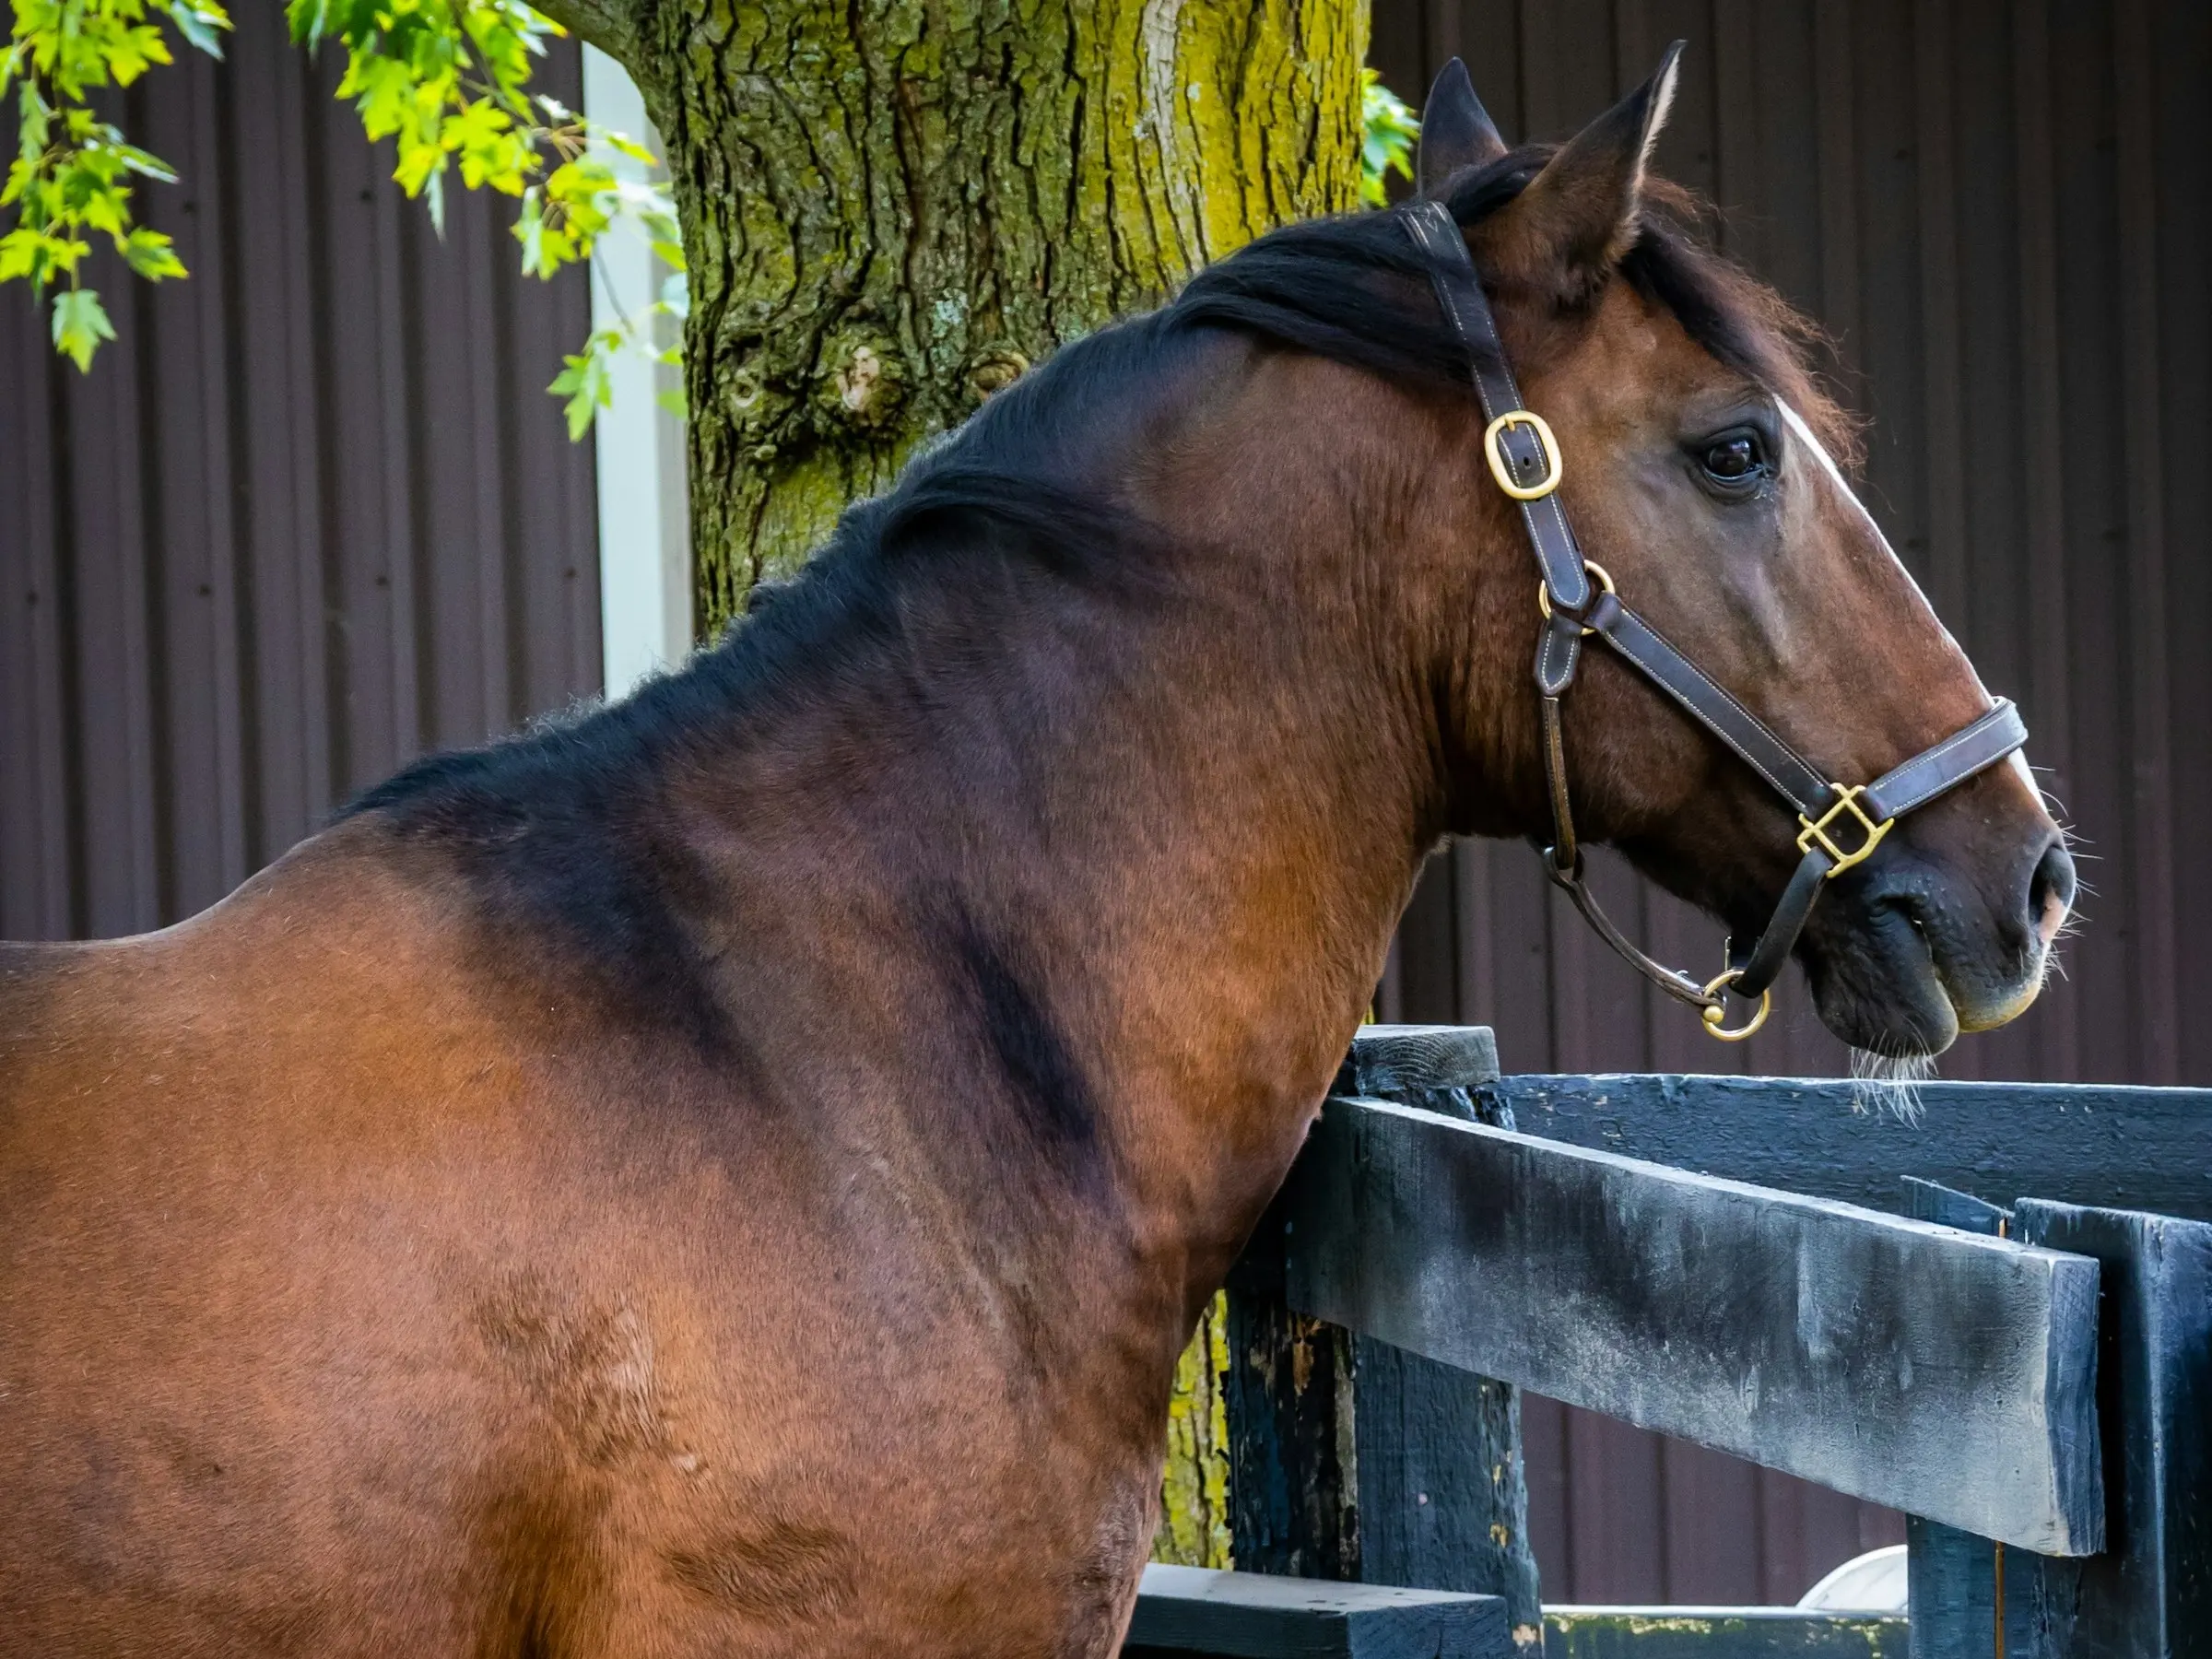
(1998,212)
(2149,691)
(312,513)
(37,782)
(2182,56)
(2043,460)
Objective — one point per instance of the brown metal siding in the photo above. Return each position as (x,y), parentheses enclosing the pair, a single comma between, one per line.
(311,514)
(2001,213)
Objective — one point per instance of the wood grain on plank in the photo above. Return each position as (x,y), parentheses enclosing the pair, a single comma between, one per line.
(2140,1148)
(1892,1359)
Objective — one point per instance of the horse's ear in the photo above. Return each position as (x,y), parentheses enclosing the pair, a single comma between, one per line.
(1456,131)
(1577,219)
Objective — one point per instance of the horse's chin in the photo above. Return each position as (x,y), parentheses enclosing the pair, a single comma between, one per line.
(1880,989)
(1987,1015)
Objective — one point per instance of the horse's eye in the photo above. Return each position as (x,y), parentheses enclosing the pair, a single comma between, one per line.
(1736,459)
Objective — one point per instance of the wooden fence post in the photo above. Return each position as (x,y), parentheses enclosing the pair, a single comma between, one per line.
(2150,1593)
(1952,1577)
(1353,1460)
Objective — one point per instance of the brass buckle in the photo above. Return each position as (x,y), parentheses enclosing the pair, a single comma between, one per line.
(1715,1015)
(1496,452)
(1815,831)
(1605,580)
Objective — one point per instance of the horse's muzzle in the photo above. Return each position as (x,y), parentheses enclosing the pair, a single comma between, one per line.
(1923,947)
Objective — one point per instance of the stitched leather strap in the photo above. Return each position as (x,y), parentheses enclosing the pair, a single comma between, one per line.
(1787,772)
(1760,967)
(1932,773)
(1559,557)
(1966,753)
(1577,605)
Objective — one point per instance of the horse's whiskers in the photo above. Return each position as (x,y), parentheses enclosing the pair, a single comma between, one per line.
(1888,1085)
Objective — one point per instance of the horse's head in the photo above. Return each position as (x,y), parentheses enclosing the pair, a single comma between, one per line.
(1698,470)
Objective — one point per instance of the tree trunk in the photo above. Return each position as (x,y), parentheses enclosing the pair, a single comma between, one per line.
(891,209)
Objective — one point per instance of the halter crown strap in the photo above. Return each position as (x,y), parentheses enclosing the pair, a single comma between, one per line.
(1527,457)
(1839,827)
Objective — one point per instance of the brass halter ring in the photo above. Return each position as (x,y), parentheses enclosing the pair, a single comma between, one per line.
(1591,565)
(1713,1016)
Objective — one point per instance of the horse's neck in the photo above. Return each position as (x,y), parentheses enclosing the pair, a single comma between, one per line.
(1149,860)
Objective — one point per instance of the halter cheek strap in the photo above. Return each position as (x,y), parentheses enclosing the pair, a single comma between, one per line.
(1838,826)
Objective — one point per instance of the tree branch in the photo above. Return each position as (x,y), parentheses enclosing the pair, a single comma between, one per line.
(610,25)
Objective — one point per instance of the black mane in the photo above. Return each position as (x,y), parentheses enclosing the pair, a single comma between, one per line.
(1025,472)
(1358,289)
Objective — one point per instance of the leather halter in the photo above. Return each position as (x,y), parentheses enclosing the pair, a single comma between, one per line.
(1524,460)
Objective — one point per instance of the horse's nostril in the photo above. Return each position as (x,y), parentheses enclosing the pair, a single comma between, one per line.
(2051,892)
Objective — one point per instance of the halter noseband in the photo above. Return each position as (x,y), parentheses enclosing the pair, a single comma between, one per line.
(1524,460)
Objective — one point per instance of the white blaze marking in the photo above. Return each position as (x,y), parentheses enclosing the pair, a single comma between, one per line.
(2018,759)
(1835,476)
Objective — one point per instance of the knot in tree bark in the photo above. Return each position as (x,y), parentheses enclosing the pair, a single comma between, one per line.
(866,383)
(995,370)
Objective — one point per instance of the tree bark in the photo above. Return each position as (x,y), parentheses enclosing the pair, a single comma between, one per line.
(890,209)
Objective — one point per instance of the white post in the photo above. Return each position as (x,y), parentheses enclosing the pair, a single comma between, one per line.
(644,527)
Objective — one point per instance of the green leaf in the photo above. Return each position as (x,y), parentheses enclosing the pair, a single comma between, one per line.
(586,383)
(35,122)
(151,255)
(310,21)
(621,143)
(104,208)
(140,162)
(530,230)
(1389,129)
(80,323)
(201,23)
(50,256)
(131,51)
(20,252)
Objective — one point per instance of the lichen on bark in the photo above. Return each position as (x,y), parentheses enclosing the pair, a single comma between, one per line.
(1194,1486)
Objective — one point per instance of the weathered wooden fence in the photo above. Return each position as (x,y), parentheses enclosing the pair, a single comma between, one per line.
(1752,1263)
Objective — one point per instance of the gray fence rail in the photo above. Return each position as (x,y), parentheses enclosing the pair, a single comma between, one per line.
(1907,1363)
(2022,1360)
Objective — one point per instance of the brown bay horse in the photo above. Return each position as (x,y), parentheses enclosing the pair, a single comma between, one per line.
(732,1174)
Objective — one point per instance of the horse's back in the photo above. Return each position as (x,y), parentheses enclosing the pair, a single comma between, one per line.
(224,1284)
